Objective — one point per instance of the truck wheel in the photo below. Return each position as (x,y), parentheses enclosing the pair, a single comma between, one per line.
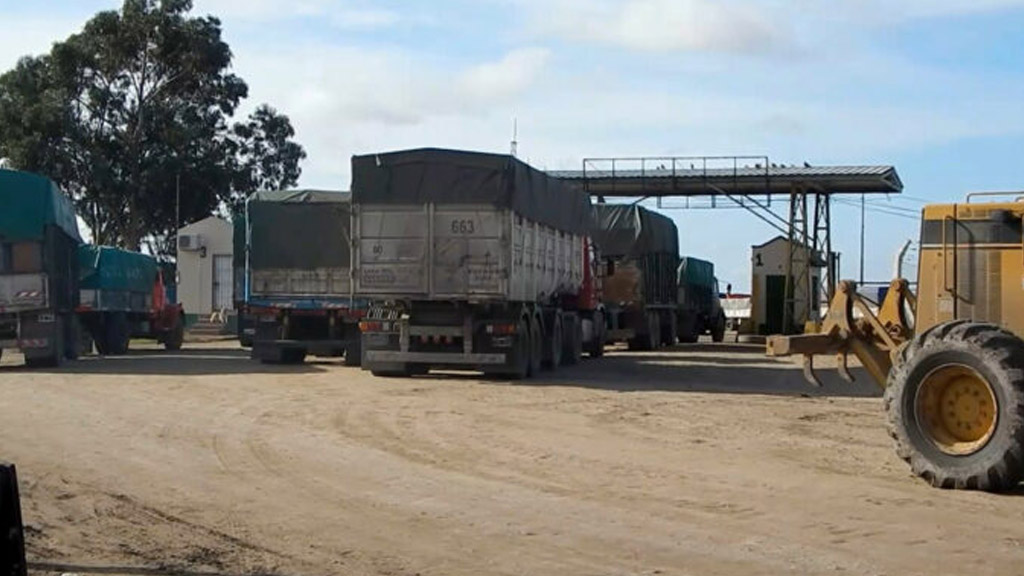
(955,404)
(595,348)
(354,354)
(116,333)
(536,341)
(669,328)
(553,354)
(572,344)
(176,336)
(718,330)
(293,356)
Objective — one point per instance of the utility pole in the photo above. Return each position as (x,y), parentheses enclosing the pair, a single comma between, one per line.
(862,238)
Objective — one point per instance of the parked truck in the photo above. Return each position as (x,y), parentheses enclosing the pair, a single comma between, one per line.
(640,249)
(52,287)
(38,269)
(298,276)
(122,295)
(700,309)
(472,261)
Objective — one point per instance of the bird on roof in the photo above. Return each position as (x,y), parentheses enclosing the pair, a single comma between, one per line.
(807,164)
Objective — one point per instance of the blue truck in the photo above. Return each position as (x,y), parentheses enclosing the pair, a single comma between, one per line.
(55,290)
(297,282)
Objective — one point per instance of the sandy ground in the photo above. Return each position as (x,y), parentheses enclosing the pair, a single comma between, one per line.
(700,460)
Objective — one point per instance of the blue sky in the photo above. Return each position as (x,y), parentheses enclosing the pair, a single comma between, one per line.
(934,87)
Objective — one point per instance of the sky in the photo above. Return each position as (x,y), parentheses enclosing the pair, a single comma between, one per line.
(932,87)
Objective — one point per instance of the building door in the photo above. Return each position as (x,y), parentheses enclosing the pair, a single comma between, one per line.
(774,304)
(223,283)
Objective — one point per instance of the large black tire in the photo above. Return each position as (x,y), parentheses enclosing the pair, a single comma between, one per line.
(994,461)
(293,356)
(718,330)
(595,348)
(176,336)
(572,340)
(354,353)
(554,344)
(56,356)
(536,347)
(669,328)
(116,333)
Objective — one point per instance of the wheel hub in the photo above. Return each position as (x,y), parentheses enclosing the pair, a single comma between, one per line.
(957,409)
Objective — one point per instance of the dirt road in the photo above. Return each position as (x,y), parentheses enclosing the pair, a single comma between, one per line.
(703,460)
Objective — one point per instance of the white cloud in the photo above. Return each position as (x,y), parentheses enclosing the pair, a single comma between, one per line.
(506,77)
(661,25)
(339,13)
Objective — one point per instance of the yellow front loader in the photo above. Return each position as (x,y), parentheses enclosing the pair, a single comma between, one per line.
(951,359)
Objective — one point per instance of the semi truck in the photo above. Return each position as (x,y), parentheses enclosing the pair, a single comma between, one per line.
(473,261)
(700,309)
(122,295)
(39,242)
(52,287)
(298,277)
(640,249)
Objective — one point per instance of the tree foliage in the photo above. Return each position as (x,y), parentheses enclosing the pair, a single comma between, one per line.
(135,105)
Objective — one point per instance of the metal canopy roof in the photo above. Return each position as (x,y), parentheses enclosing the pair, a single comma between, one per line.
(663,180)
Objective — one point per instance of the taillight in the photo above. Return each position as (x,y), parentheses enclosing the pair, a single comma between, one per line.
(501,329)
(371,326)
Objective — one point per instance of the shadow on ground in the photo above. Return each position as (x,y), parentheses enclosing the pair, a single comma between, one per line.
(712,368)
(154,362)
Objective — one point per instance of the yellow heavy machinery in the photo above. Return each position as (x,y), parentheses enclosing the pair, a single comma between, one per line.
(951,359)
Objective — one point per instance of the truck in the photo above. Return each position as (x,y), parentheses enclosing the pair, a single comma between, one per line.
(298,277)
(640,249)
(472,261)
(39,242)
(123,295)
(53,287)
(700,309)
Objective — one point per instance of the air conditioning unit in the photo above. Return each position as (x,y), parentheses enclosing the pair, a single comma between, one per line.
(190,242)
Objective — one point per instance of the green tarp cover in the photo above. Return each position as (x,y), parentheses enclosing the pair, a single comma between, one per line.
(631,231)
(29,202)
(106,268)
(299,230)
(432,175)
(696,272)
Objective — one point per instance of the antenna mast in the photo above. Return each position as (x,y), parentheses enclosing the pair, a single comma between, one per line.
(515,136)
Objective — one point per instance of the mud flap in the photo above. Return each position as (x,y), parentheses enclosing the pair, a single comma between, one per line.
(12,532)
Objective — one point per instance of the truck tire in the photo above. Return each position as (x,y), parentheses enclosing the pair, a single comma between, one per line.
(519,367)
(718,330)
(354,353)
(536,341)
(572,343)
(669,328)
(176,336)
(955,406)
(595,348)
(554,344)
(293,356)
(116,334)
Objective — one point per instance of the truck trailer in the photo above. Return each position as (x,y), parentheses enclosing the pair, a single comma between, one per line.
(122,295)
(640,249)
(39,242)
(700,309)
(473,261)
(52,287)
(298,286)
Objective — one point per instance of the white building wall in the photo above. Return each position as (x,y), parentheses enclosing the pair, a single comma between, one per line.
(196,267)
(770,260)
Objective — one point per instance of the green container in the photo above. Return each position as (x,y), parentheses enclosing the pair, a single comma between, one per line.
(696,272)
(28,203)
(107,268)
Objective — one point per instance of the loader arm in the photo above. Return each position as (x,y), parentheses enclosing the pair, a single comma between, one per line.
(873,339)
